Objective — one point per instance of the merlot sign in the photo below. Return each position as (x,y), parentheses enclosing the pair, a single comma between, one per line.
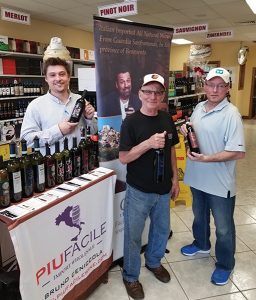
(11,15)
(117,10)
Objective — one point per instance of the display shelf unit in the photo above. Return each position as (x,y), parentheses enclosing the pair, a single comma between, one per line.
(176,99)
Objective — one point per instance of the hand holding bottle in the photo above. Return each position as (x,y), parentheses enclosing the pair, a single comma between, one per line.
(183,129)
(157,141)
(89,111)
(67,127)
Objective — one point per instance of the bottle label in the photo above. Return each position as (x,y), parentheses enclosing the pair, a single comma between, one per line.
(77,165)
(193,140)
(85,161)
(16,177)
(4,193)
(41,175)
(76,111)
(68,167)
(60,171)
(50,174)
(28,178)
(159,166)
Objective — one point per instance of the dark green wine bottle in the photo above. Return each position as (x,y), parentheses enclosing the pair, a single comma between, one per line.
(27,177)
(4,185)
(38,168)
(67,161)
(76,158)
(13,168)
(59,166)
(85,147)
(49,165)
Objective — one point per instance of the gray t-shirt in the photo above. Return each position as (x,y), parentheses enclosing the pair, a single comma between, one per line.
(218,130)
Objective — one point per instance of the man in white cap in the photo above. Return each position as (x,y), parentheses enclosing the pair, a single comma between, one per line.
(211,174)
(147,144)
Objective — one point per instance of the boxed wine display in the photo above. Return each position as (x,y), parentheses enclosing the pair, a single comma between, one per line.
(4,46)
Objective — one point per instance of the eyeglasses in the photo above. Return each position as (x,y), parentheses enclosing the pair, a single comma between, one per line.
(149,92)
(216,86)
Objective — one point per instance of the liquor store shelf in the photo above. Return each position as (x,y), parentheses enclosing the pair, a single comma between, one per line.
(31,55)
(18,98)
(176,98)
(11,120)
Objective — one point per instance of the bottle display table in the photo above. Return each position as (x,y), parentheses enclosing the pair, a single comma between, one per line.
(62,238)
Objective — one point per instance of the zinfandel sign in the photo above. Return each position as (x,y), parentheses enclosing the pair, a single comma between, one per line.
(11,15)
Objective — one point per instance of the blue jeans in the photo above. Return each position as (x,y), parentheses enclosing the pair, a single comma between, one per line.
(137,207)
(223,211)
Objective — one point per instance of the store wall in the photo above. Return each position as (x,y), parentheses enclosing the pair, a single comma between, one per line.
(226,53)
(40,31)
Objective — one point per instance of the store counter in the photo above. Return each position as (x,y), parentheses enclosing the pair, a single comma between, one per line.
(63,237)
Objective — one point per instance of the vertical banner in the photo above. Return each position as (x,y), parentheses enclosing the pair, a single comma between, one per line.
(124,53)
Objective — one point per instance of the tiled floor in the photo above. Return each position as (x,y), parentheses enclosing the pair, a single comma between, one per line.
(191,276)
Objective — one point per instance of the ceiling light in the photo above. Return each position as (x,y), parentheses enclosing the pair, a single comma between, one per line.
(181,42)
(252,4)
(123,19)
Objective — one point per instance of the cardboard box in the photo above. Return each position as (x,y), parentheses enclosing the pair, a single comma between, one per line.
(9,66)
(87,54)
(4,45)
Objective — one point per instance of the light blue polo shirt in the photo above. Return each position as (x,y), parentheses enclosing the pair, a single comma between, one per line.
(218,130)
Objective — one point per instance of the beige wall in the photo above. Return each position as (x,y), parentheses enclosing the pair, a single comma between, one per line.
(40,31)
(225,52)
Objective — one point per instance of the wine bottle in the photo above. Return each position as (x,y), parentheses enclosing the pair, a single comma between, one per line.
(59,166)
(27,177)
(4,185)
(38,168)
(76,158)
(49,165)
(192,139)
(78,108)
(93,159)
(67,161)
(14,173)
(85,147)
(159,165)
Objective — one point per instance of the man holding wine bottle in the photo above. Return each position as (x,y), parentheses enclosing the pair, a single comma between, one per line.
(49,116)
(147,147)
(210,172)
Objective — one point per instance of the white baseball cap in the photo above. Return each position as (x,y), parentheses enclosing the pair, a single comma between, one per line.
(153,78)
(218,72)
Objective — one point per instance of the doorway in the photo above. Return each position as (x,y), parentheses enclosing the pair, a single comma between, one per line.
(252,111)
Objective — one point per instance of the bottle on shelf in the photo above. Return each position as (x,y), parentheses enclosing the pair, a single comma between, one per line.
(67,161)
(191,138)
(7,89)
(27,177)
(21,88)
(49,164)
(16,88)
(4,185)
(38,167)
(76,158)
(159,165)
(85,146)
(78,108)
(59,166)
(14,173)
